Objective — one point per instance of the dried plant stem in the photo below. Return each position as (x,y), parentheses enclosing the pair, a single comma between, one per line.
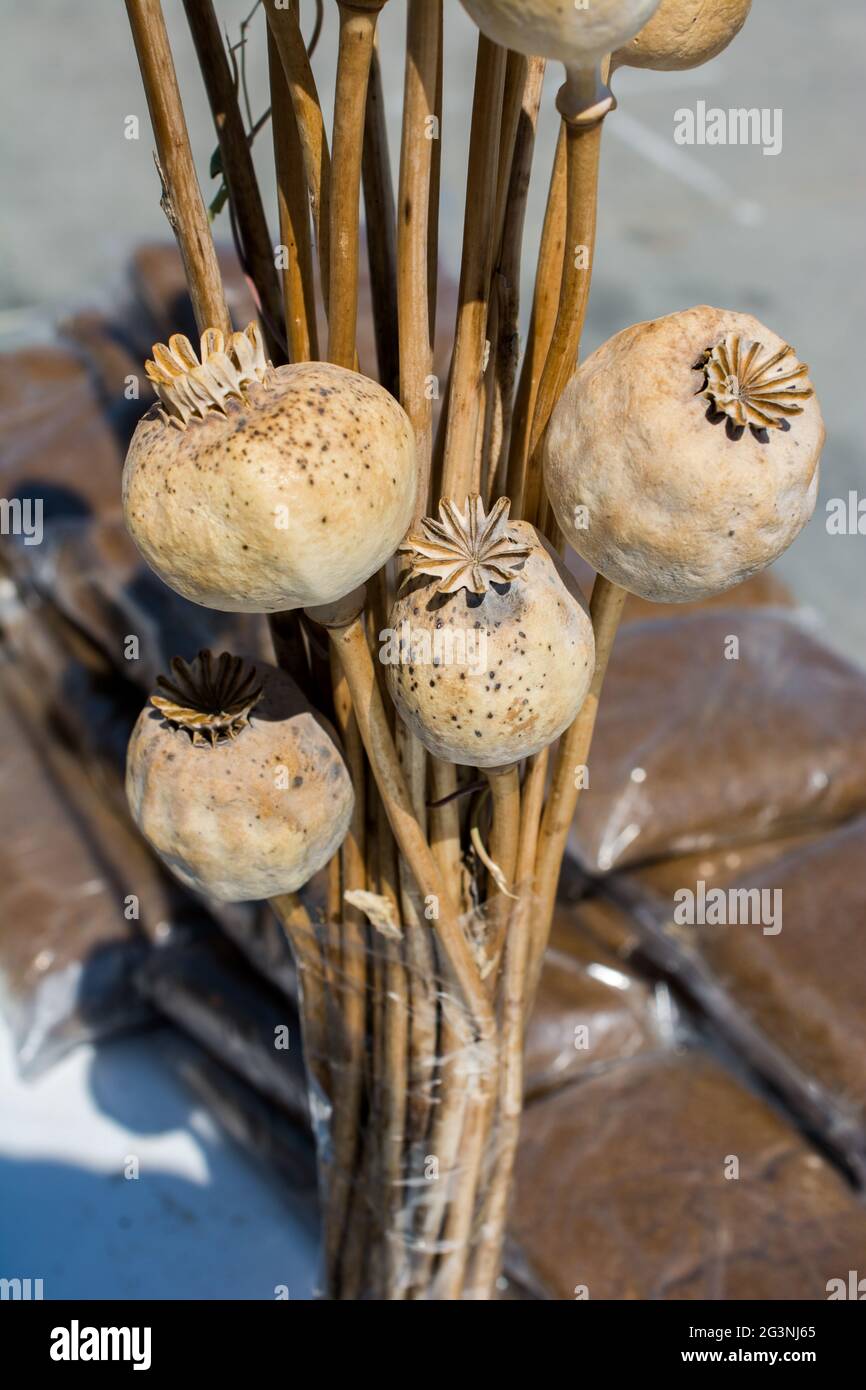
(283,24)
(381,223)
(352,992)
(357,38)
(307,951)
(606,608)
(181,196)
(416,313)
(415,335)
(584,102)
(476,1072)
(238,170)
(505,292)
(548,279)
(451,1118)
(392,1084)
(494,1204)
(466,385)
(294,210)
(505,791)
(445,824)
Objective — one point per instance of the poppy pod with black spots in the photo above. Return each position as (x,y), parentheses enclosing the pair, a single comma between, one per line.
(235,781)
(490,648)
(258,490)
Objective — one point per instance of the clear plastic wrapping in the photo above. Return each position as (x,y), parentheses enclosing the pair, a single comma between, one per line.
(416,1114)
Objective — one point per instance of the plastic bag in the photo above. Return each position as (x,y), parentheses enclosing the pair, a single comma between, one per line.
(717,729)
(665,1178)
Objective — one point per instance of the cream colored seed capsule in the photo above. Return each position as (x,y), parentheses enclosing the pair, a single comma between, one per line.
(489,653)
(257,490)
(683,455)
(235,781)
(684,34)
(576,35)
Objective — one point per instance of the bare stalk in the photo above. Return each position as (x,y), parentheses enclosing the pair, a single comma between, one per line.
(357,38)
(415,313)
(466,386)
(494,1198)
(182,202)
(415,333)
(283,24)
(583,101)
(381,221)
(353,994)
(505,791)
(294,210)
(606,608)
(505,290)
(238,170)
(548,278)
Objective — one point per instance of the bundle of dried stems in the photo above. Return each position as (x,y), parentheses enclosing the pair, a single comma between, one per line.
(414,1015)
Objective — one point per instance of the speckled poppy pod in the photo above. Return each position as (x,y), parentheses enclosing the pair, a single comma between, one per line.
(683,455)
(490,650)
(235,781)
(575,34)
(253,489)
(684,34)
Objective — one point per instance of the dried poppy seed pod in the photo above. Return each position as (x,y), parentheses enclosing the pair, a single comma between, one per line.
(683,455)
(235,781)
(258,490)
(684,34)
(490,650)
(578,36)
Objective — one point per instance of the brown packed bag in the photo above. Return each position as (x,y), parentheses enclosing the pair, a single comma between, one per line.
(68,949)
(769,994)
(694,751)
(625,1190)
(802,976)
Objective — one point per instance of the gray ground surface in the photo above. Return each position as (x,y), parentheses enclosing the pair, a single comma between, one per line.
(780,237)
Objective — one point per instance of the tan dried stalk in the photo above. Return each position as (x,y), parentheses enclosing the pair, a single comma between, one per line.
(582,150)
(524,80)
(487,1257)
(283,24)
(381,221)
(357,38)
(294,210)
(504,785)
(301,931)
(349,1075)
(238,170)
(606,608)
(548,278)
(415,334)
(465,390)
(181,195)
